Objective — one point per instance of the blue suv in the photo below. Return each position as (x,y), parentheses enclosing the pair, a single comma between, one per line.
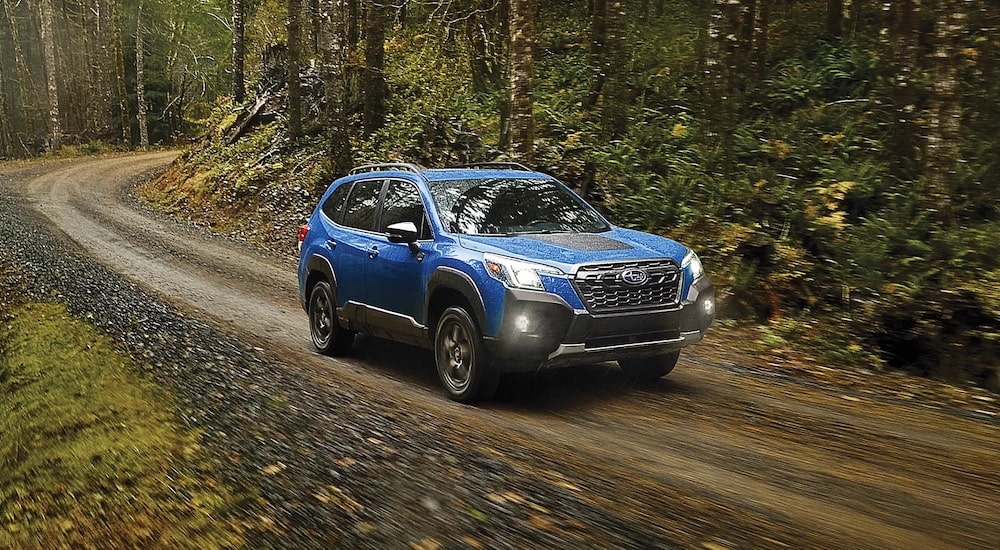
(497,269)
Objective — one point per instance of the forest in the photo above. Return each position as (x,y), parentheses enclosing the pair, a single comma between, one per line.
(834,162)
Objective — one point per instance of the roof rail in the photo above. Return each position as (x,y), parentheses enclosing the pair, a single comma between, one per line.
(401,166)
(495,166)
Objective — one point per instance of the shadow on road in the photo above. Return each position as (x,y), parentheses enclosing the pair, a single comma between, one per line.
(544,391)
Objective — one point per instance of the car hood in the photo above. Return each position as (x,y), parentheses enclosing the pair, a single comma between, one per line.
(567,251)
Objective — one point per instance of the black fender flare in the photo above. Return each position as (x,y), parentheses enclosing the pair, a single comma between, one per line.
(458,281)
(317,264)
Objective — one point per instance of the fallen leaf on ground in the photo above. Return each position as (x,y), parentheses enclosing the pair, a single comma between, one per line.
(273,468)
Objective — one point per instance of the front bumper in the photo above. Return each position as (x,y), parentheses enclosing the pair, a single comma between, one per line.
(540,330)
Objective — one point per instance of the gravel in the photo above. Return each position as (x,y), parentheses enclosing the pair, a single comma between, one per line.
(329,466)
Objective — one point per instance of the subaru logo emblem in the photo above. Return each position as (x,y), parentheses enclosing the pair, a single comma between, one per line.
(634,277)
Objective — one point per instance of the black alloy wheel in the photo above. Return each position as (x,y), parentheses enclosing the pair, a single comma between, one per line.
(327,336)
(463,363)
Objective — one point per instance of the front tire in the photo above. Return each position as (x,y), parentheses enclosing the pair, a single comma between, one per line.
(463,363)
(647,369)
(327,335)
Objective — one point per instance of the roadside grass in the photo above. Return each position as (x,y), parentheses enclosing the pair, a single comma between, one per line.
(90,452)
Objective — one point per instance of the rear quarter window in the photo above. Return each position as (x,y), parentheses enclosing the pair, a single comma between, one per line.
(334,206)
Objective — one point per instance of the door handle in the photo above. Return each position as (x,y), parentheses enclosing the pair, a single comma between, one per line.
(331,244)
(373,252)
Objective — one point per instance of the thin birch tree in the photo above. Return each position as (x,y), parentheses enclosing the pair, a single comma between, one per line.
(51,78)
(239,52)
(140,81)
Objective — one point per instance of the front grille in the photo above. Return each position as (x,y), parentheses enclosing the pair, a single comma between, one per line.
(604,291)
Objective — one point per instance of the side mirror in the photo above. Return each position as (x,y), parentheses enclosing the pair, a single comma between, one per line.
(402,232)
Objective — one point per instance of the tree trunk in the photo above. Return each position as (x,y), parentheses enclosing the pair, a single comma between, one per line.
(598,56)
(904,35)
(121,87)
(719,90)
(615,103)
(945,120)
(6,144)
(762,26)
(834,18)
(294,74)
(373,86)
(28,93)
(750,50)
(333,51)
(73,58)
(522,78)
(747,26)
(90,53)
(103,38)
(503,53)
(179,104)
(239,53)
(352,23)
(140,81)
(52,85)
(314,20)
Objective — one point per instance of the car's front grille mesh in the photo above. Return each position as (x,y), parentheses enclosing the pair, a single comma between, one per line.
(604,290)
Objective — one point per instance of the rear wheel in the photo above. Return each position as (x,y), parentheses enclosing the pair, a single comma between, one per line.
(463,363)
(328,337)
(650,368)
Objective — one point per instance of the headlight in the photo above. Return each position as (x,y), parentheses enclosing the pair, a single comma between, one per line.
(692,263)
(515,273)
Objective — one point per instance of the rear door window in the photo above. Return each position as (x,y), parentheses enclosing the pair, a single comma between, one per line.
(362,204)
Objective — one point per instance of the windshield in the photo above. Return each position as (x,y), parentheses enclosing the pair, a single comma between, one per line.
(497,206)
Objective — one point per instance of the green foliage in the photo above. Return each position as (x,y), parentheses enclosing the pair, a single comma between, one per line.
(835,72)
(95,147)
(648,180)
(431,115)
(935,308)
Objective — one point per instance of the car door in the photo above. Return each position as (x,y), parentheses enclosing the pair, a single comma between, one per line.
(353,244)
(395,275)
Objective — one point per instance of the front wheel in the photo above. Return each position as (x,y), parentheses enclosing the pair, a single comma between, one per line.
(463,363)
(327,335)
(650,368)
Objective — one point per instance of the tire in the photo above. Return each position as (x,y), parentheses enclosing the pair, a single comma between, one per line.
(327,336)
(463,363)
(647,369)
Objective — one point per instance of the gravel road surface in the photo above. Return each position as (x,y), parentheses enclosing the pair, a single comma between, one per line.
(366,451)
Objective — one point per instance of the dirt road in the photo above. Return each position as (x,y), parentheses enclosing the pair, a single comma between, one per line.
(716,455)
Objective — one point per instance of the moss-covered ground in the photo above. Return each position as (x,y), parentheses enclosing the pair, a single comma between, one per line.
(91,454)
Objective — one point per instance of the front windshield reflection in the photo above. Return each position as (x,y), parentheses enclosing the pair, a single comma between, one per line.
(512,206)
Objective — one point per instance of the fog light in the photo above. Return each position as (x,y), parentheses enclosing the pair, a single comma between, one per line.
(522,323)
(709,305)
